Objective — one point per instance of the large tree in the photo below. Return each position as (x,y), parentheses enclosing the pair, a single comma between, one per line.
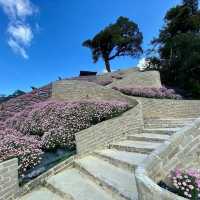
(122,38)
(178,46)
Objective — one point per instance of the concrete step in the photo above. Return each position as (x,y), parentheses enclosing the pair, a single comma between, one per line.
(163,125)
(170,120)
(168,131)
(120,183)
(41,194)
(167,123)
(136,146)
(122,159)
(75,186)
(149,137)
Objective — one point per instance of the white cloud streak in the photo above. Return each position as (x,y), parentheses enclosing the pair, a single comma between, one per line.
(20,34)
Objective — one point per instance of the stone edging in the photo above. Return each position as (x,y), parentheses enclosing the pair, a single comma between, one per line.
(183,146)
(40,180)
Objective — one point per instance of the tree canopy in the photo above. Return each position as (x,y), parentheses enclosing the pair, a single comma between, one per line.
(193,4)
(122,38)
(178,46)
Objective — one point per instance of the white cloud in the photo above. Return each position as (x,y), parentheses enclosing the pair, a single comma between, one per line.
(17,48)
(20,33)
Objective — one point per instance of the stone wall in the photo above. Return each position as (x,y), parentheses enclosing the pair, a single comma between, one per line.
(182,151)
(136,78)
(164,108)
(9,179)
(104,133)
(78,90)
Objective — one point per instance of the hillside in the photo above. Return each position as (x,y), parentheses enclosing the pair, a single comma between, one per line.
(31,124)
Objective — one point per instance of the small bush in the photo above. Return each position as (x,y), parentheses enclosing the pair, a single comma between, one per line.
(187,183)
(160,93)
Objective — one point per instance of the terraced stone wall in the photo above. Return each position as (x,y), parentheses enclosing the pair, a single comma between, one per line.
(104,133)
(8,179)
(182,151)
(79,90)
(164,108)
(136,78)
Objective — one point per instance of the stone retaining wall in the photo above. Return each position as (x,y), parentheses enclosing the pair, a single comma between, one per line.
(136,78)
(182,151)
(106,132)
(164,108)
(9,179)
(77,90)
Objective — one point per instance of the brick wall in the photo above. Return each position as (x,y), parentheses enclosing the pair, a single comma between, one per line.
(8,179)
(115,129)
(162,108)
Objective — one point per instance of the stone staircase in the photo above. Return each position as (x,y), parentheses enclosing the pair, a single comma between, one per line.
(109,174)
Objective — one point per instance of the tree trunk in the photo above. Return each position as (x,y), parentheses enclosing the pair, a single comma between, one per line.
(107,63)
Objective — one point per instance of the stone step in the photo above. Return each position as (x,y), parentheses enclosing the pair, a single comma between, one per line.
(72,184)
(170,120)
(168,131)
(41,194)
(136,146)
(149,137)
(122,159)
(163,125)
(168,123)
(120,183)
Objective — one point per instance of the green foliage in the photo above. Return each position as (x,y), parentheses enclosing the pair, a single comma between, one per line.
(178,46)
(122,38)
(193,4)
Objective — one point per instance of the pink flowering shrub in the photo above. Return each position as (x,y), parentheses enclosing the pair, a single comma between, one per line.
(14,144)
(187,183)
(160,93)
(57,122)
(11,107)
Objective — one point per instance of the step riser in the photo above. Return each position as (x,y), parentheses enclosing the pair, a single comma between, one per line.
(133,138)
(116,163)
(154,131)
(63,195)
(163,126)
(131,149)
(105,186)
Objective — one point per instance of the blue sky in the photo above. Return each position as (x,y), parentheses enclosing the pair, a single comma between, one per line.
(41,39)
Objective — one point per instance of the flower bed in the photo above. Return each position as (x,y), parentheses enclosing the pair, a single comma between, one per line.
(26,148)
(160,93)
(20,103)
(50,125)
(185,183)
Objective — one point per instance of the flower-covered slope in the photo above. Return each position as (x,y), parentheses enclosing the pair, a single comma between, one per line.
(49,125)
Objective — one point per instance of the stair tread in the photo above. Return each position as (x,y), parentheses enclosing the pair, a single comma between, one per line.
(126,157)
(161,129)
(170,119)
(119,179)
(69,180)
(138,144)
(41,194)
(151,136)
